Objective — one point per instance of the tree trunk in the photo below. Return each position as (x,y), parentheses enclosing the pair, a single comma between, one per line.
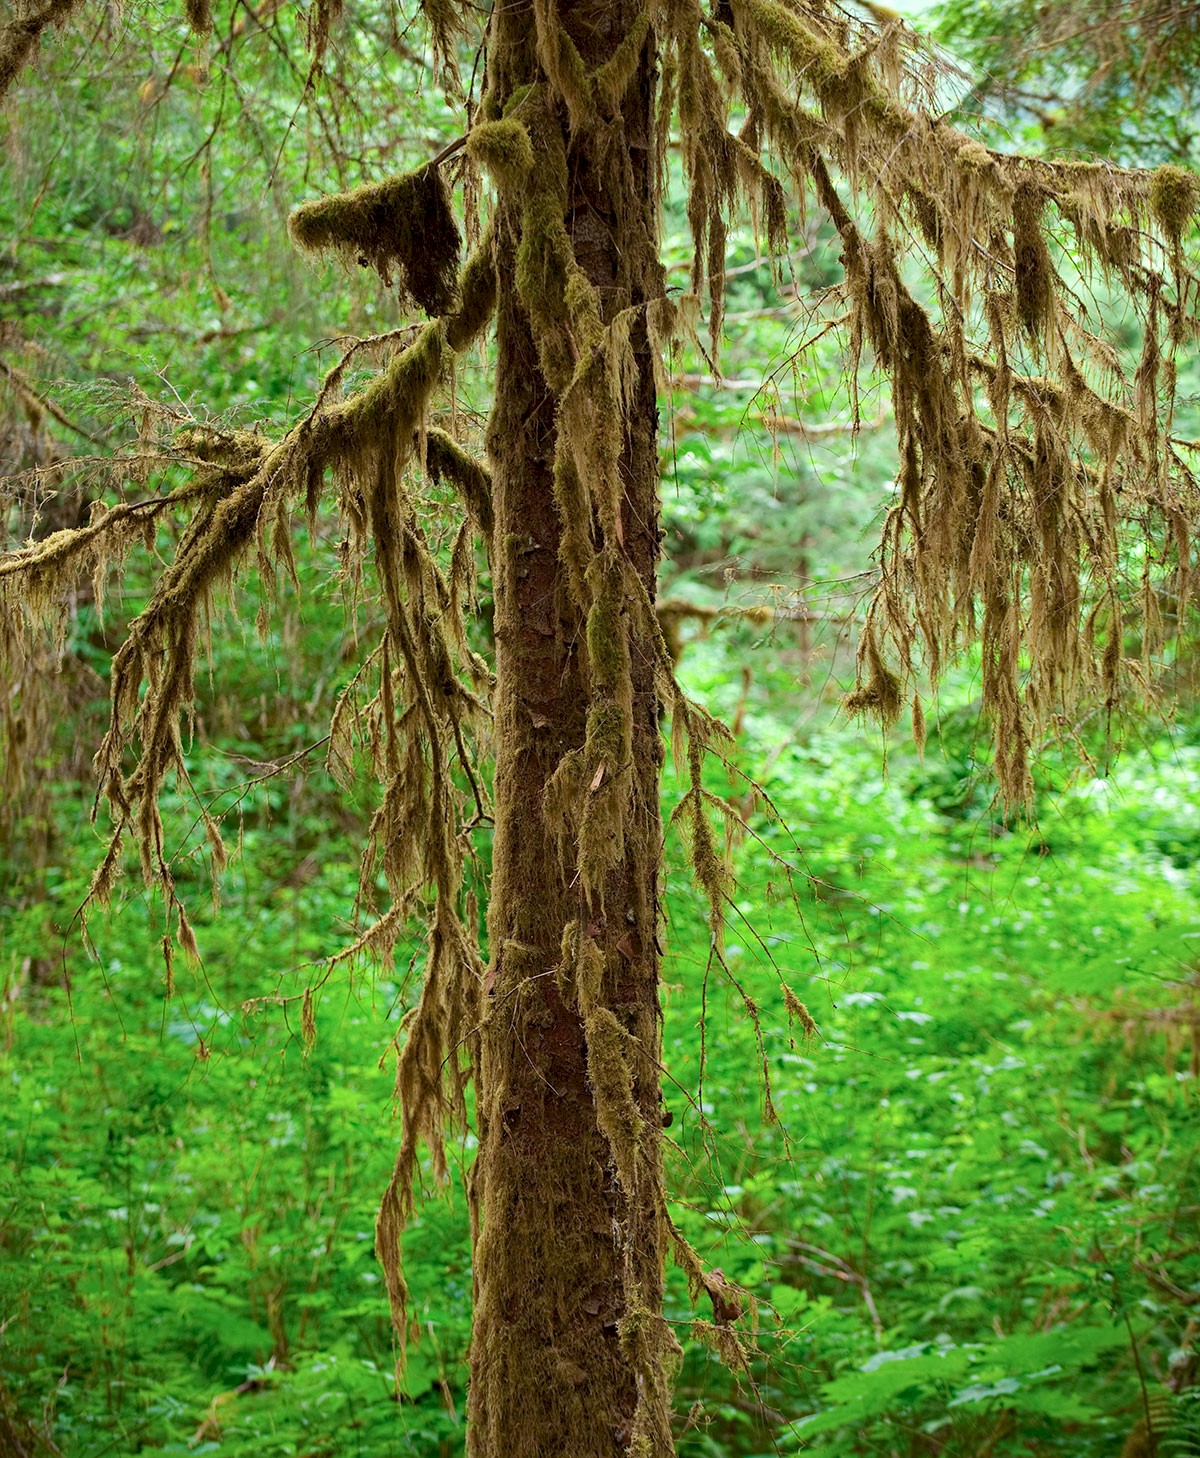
(564,1250)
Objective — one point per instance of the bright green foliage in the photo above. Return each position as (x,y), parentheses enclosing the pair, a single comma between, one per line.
(984,1159)
(981,1179)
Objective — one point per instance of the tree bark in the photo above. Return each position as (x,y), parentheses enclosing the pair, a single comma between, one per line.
(556,1371)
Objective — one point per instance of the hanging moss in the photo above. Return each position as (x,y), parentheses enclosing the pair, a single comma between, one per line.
(819,60)
(1031,257)
(199,15)
(879,695)
(544,259)
(19,38)
(798,1013)
(403,228)
(563,64)
(610,1076)
(1174,199)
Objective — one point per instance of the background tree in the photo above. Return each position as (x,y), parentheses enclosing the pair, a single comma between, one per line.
(1024,457)
(1118,82)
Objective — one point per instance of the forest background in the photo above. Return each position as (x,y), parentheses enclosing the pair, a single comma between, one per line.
(972,1227)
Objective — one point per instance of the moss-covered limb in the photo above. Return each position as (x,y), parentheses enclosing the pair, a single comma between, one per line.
(37,405)
(612,79)
(392,403)
(504,149)
(446,460)
(242,485)
(981,504)
(160,651)
(562,63)
(19,38)
(476,293)
(39,573)
(404,228)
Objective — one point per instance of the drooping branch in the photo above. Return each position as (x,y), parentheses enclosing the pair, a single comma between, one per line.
(240,492)
(1019,480)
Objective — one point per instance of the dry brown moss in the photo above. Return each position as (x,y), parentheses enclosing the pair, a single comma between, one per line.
(403,228)
(199,15)
(1174,198)
(19,38)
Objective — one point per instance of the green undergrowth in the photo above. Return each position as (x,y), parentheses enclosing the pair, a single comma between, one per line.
(970,1230)
(984,1163)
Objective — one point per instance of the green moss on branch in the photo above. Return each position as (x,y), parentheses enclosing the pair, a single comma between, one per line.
(403,228)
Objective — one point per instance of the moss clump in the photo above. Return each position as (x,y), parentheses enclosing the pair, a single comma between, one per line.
(880,694)
(199,15)
(403,228)
(1174,196)
(504,149)
(1034,270)
(973,156)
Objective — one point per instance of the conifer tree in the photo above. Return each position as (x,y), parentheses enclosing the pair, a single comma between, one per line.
(1030,460)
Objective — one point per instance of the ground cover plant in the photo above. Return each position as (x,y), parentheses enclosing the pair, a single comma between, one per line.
(978,1235)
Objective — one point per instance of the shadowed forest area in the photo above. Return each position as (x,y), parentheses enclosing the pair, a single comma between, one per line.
(930,988)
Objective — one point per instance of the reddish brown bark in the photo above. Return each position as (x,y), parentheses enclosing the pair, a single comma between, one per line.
(554,1372)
